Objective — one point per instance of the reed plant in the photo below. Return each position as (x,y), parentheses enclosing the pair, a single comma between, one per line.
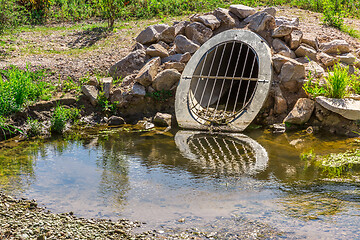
(337,82)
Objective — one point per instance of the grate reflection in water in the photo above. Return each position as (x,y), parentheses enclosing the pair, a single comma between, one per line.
(224,153)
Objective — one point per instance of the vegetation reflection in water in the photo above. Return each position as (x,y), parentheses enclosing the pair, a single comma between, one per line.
(118,165)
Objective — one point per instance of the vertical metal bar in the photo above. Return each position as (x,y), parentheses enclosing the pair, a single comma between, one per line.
(248,85)
(210,160)
(242,75)
(234,163)
(213,165)
(215,80)
(207,80)
(223,83)
(202,158)
(201,72)
(232,80)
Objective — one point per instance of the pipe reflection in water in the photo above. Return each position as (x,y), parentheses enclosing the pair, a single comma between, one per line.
(229,153)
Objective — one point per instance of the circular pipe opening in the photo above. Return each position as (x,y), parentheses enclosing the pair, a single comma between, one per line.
(224,82)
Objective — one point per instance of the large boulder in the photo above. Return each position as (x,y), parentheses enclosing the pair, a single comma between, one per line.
(301,112)
(132,62)
(208,20)
(107,84)
(162,119)
(314,69)
(156,50)
(175,65)
(306,51)
(280,47)
(280,104)
(242,11)
(147,74)
(168,35)
(151,34)
(138,90)
(348,108)
(166,79)
(347,58)
(198,32)
(294,39)
(291,75)
(91,92)
(326,59)
(260,21)
(118,98)
(183,45)
(180,27)
(225,18)
(282,31)
(335,47)
(287,21)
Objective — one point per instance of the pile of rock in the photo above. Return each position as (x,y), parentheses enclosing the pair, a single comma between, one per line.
(162,51)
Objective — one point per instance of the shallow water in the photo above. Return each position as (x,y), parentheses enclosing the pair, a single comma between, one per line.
(199,178)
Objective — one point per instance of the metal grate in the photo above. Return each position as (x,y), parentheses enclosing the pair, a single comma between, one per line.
(224,82)
(223,154)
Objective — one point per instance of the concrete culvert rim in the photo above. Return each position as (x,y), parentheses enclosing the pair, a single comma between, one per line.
(225,83)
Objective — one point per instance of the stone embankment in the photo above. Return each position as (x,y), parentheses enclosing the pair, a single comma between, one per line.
(162,51)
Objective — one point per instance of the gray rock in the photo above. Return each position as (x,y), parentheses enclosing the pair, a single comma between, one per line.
(270,10)
(147,74)
(224,16)
(179,66)
(156,50)
(107,84)
(260,21)
(292,73)
(166,79)
(306,51)
(118,98)
(301,112)
(162,119)
(138,46)
(208,20)
(347,58)
(185,57)
(198,33)
(151,34)
(93,81)
(168,35)
(180,27)
(315,70)
(335,47)
(173,58)
(348,108)
(126,66)
(281,48)
(294,39)
(138,90)
(183,44)
(242,11)
(115,120)
(310,40)
(287,21)
(278,61)
(282,31)
(280,104)
(326,59)
(164,45)
(91,92)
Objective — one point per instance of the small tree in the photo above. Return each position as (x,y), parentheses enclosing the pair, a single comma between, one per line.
(110,9)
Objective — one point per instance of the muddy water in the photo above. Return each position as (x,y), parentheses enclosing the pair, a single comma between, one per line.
(189,179)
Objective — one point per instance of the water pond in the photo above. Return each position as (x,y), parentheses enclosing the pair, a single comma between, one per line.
(189,179)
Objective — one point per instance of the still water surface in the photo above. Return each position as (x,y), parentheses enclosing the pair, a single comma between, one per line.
(159,179)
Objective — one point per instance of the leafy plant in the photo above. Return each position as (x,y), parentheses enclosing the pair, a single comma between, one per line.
(105,104)
(37,9)
(312,87)
(337,82)
(19,87)
(111,9)
(333,13)
(60,117)
(6,128)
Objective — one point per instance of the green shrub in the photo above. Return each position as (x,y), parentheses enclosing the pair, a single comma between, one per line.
(110,9)
(161,96)
(333,13)
(37,9)
(105,105)
(19,87)
(11,15)
(337,82)
(60,117)
(312,87)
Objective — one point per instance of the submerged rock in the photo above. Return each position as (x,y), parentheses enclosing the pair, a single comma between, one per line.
(162,119)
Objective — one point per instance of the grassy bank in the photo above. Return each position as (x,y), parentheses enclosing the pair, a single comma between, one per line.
(22,12)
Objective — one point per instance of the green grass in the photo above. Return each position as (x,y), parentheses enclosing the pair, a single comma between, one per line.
(337,82)
(19,87)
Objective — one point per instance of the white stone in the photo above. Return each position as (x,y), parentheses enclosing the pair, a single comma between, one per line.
(348,108)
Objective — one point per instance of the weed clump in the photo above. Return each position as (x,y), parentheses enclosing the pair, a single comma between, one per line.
(60,117)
